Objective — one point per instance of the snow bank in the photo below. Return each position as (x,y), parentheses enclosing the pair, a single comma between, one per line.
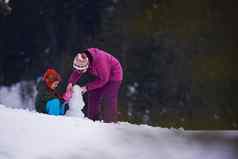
(11,96)
(19,95)
(30,135)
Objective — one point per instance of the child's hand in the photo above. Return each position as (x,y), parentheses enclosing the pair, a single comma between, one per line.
(67,96)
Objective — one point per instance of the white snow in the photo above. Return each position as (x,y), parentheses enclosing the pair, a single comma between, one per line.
(10,96)
(26,134)
(30,135)
(76,103)
(19,95)
(7,1)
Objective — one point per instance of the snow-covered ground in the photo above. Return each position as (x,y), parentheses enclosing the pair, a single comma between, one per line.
(25,134)
(30,135)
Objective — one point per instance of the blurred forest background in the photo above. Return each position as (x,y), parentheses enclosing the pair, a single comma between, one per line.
(178,55)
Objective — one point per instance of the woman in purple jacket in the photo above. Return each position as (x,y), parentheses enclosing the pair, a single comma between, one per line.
(108,73)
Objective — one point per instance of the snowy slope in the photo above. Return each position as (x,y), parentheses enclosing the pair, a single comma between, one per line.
(30,135)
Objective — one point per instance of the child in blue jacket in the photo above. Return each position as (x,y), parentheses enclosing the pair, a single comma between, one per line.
(48,100)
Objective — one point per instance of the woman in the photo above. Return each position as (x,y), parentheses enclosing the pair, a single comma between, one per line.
(108,73)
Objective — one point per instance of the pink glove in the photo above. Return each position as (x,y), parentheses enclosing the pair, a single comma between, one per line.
(67,95)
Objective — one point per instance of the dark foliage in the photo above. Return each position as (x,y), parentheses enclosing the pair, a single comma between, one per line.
(178,56)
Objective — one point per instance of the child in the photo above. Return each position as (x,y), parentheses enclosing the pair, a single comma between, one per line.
(48,100)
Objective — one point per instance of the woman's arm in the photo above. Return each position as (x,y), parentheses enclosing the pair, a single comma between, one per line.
(74,77)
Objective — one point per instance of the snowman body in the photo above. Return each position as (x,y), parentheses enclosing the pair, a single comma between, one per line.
(76,103)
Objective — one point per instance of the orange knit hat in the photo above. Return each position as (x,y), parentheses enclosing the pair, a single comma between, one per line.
(50,76)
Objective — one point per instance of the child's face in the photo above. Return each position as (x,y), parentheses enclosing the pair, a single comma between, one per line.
(54,85)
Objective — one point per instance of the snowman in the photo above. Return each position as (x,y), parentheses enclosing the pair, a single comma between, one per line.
(76,103)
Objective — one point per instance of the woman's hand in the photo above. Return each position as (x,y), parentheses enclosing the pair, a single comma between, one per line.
(84,89)
(69,88)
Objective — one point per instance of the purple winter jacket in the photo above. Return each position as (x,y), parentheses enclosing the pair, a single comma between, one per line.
(103,66)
